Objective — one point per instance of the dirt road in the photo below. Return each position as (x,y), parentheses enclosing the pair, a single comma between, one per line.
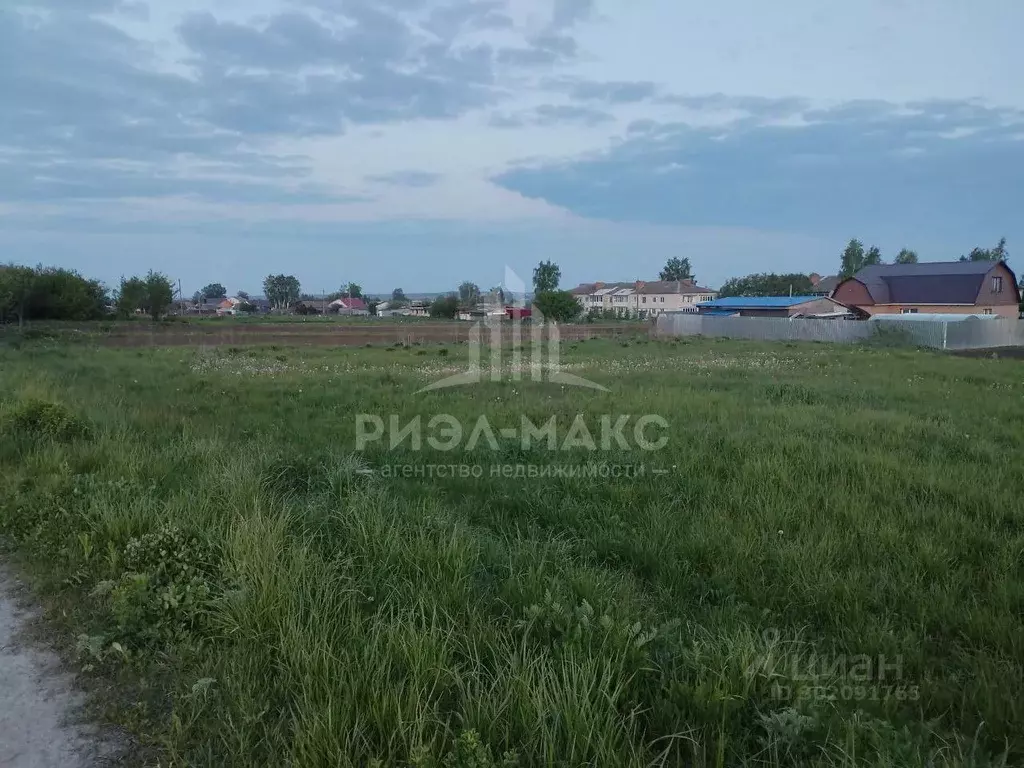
(38,702)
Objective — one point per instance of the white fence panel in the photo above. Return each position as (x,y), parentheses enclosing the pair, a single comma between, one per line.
(940,335)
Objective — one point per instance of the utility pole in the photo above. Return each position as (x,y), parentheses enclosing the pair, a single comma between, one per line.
(181,299)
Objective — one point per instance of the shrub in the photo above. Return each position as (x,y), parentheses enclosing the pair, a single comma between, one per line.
(170,580)
(42,418)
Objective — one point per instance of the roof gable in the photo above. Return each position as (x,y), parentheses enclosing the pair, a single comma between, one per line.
(682,287)
(936,282)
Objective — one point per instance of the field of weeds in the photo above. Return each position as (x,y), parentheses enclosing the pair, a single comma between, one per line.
(808,554)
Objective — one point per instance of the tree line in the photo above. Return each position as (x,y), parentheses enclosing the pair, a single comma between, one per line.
(853,259)
(53,293)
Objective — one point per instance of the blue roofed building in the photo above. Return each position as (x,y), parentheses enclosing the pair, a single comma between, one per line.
(775,306)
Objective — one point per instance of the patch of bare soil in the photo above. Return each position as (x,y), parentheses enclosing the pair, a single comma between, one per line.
(41,722)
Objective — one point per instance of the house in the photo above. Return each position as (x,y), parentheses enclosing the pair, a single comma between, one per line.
(349,307)
(774,306)
(671,296)
(481,312)
(943,287)
(604,297)
(641,298)
(227,307)
(205,307)
(823,286)
(417,309)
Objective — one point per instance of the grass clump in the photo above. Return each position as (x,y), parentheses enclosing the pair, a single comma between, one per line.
(35,417)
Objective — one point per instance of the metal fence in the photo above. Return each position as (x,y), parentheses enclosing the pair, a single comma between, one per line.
(967,334)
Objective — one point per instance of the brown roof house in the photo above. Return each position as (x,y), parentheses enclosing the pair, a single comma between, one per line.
(823,286)
(940,287)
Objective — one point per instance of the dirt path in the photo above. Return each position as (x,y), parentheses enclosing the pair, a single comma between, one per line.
(38,702)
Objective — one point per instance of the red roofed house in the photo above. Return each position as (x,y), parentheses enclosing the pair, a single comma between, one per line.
(348,307)
(945,287)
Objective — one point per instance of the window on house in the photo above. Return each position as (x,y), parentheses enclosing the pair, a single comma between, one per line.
(662,299)
(997,284)
(908,311)
(988,311)
(644,299)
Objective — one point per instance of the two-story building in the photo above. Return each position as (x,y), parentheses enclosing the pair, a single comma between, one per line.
(643,299)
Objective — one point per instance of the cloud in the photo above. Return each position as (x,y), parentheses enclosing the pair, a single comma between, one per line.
(552,45)
(543,50)
(451,20)
(760,106)
(612,92)
(89,107)
(295,75)
(551,114)
(406,179)
(891,167)
(499,120)
(568,13)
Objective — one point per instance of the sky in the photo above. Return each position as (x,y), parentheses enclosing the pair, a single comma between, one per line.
(420,143)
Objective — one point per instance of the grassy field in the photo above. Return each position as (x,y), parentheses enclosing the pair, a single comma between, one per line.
(824,565)
(283,331)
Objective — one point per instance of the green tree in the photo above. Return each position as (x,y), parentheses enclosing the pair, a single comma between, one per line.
(243,296)
(281,290)
(559,306)
(159,294)
(130,296)
(346,291)
(677,269)
(906,256)
(852,259)
(214,291)
(546,277)
(469,293)
(999,253)
(398,298)
(445,307)
(16,285)
(767,285)
(873,257)
(63,294)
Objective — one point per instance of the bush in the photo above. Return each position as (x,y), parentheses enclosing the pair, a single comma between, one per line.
(560,306)
(49,293)
(41,418)
(445,307)
(171,578)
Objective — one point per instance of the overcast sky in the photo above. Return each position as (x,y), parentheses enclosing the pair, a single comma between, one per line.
(418,143)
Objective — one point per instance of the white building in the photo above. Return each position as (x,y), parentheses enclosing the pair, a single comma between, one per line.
(642,299)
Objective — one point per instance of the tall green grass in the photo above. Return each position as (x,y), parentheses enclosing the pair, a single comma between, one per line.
(222,549)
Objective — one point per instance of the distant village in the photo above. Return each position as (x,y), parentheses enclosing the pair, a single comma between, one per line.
(968,287)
